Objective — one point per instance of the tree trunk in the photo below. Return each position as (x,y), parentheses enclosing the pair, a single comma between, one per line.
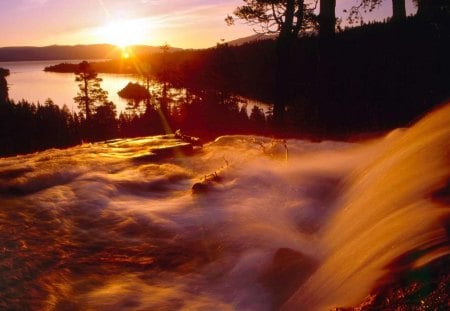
(325,75)
(327,19)
(283,73)
(3,89)
(87,100)
(147,87)
(288,25)
(429,9)
(398,10)
(284,44)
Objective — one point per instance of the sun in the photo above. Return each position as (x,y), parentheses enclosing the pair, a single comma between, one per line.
(124,33)
(125,53)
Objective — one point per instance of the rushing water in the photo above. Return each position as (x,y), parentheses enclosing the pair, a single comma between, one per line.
(29,81)
(116,226)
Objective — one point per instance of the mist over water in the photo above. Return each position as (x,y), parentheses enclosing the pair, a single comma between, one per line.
(116,226)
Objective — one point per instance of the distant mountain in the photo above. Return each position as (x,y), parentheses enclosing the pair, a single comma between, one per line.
(66,52)
(249,39)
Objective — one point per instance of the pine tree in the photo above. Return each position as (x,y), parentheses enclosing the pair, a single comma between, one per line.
(91,94)
(3,85)
(288,19)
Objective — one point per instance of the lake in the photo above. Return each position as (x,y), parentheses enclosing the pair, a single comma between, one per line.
(29,81)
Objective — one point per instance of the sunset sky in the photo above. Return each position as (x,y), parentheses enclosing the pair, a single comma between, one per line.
(180,23)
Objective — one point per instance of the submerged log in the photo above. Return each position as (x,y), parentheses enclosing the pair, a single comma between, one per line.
(194,141)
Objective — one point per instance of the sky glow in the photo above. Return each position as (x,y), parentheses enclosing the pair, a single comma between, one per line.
(180,23)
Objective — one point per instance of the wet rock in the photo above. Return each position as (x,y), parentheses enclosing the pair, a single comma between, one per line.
(207,184)
(443,194)
(201,187)
(426,288)
(288,270)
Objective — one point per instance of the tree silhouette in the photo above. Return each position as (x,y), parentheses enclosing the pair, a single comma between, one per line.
(257,118)
(91,94)
(104,121)
(364,6)
(164,75)
(3,84)
(146,73)
(27,127)
(284,17)
(327,18)
(432,9)
(287,18)
(398,10)
(222,70)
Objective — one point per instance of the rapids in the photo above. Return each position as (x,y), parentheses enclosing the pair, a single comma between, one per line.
(292,225)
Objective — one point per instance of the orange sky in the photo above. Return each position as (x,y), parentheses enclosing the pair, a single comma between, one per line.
(180,23)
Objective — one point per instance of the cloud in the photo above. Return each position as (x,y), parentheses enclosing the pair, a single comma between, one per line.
(72,22)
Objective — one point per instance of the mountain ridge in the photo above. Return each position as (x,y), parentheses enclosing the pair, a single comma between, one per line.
(94,51)
(71,52)
(250,39)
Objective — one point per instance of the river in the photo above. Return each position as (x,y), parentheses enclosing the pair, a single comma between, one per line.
(293,225)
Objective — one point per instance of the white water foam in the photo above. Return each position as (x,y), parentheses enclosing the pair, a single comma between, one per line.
(108,226)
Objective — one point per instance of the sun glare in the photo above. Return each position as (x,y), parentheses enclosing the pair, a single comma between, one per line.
(125,54)
(124,33)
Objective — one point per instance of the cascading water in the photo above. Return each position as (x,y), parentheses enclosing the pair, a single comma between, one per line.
(113,226)
(386,211)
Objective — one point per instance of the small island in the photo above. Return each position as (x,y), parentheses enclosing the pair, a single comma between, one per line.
(105,66)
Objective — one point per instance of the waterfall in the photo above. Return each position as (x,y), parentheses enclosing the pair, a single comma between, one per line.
(271,224)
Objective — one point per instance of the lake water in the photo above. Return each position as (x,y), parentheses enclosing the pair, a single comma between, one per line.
(29,81)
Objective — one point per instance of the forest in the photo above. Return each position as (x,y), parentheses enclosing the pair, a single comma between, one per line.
(337,84)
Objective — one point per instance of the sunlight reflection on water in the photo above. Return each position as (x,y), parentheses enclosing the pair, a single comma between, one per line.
(29,81)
